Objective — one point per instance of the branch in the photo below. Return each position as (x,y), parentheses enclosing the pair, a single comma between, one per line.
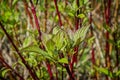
(19,54)
(58,13)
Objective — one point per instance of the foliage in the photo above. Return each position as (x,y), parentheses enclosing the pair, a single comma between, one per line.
(76,39)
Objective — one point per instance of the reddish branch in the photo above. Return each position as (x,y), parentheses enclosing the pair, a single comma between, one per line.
(49,70)
(9,67)
(91,28)
(41,46)
(107,5)
(107,17)
(92,49)
(28,12)
(74,58)
(58,13)
(69,72)
(66,66)
(36,19)
(61,54)
(17,50)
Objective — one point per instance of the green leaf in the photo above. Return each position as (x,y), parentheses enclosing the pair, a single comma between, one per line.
(82,2)
(63,60)
(7,15)
(81,16)
(104,71)
(74,6)
(27,41)
(31,61)
(58,38)
(56,30)
(50,45)
(4,71)
(111,41)
(36,49)
(61,6)
(21,63)
(86,1)
(14,2)
(16,64)
(80,35)
(107,28)
(46,37)
(118,43)
(71,14)
(1,32)
(118,73)
(90,40)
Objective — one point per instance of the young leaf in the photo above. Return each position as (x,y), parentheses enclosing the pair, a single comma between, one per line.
(27,41)
(81,16)
(74,6)
(104,71)
(71,14)
(117,73)
(46,37)
(7,15)
(63,60)
(80,35)
(86,1)
(14,2)
(58,38)
(3,71)
(50,45)
(118,43)
(56,29)
(107,28)
(36,49)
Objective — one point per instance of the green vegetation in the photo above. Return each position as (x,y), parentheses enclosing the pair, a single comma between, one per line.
(59,40)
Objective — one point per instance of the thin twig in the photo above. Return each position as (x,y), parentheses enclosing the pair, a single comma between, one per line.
(58,13)
(9,67)
(17,50)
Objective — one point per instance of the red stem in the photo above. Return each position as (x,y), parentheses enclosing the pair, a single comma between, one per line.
(74,58)
(69,72)
(58,13)
(107,17)
(41,46)
(93,56)
(6,65)
(91,28)
(36,19)
(28,12)
(17,50)
(92,49)
(49,70)
(77,24)
(61,55)
(56,72)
